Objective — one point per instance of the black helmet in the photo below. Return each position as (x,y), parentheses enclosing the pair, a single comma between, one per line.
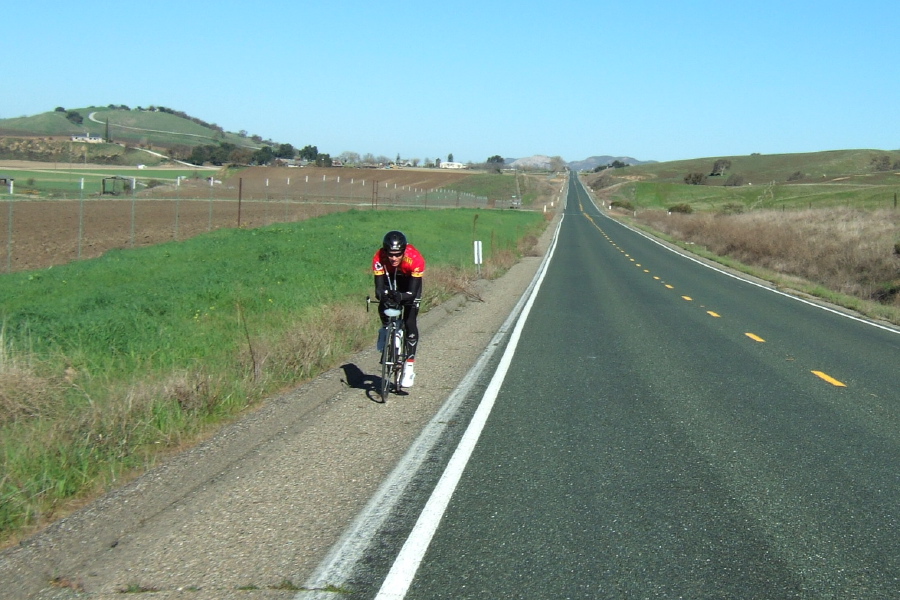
(394,241)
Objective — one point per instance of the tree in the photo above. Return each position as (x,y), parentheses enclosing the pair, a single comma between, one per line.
(285,151)
(59,109)
(309,153)
(74,116)
(450,157)
(240,156)
(496,159)
(557,163)
(882,163)
(323,160)
(263,156)
(719,167)
(349,158)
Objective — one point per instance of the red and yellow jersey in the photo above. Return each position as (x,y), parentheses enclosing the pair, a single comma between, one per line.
(412,265)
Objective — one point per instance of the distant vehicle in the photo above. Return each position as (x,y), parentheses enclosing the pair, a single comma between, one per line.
(515,203)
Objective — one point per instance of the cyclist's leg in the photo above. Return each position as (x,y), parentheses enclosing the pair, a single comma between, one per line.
(410,318)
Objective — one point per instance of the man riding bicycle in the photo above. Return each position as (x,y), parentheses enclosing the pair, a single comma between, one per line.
(398,268)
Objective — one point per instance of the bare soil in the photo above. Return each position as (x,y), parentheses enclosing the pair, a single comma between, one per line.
(46,233)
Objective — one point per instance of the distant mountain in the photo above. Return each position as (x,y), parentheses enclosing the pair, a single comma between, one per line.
(540,161)
(589,164)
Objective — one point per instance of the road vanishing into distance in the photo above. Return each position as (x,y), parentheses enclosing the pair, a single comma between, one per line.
(656,428)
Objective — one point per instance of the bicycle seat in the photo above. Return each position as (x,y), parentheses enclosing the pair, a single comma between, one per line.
(392,312)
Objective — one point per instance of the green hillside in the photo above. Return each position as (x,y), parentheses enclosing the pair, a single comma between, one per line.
(153,127)
(863,178)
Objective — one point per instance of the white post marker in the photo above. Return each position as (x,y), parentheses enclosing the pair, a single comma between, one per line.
(478,255)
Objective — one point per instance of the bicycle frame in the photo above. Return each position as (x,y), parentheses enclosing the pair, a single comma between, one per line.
(393,353)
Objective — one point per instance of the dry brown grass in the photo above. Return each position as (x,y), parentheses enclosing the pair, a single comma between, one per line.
(849,251)
(23,392)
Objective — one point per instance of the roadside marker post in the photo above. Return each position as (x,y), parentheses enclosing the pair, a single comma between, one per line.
(478,255)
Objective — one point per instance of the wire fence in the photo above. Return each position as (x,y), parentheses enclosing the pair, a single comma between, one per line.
(37,233)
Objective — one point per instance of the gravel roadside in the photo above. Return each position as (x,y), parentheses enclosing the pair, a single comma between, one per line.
(251,512)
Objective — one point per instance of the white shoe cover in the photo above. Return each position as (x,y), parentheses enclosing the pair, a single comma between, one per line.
(409,375)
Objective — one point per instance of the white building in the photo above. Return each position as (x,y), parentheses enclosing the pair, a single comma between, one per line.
(88,138)
(452,165)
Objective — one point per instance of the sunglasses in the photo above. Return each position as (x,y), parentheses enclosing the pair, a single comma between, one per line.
(395,254)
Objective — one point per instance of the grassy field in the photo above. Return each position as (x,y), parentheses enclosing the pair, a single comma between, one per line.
(106,363)
(65,181)
(502,187)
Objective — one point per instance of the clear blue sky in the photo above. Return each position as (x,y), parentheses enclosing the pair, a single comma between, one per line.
(654,80)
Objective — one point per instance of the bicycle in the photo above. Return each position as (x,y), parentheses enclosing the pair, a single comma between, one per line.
(391,343)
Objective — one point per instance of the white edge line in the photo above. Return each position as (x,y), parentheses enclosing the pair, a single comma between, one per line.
(769,288)
(401,575)
(337,565)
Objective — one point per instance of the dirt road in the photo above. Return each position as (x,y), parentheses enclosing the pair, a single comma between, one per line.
(251,513)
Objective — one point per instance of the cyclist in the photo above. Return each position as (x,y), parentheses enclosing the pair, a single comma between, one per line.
(398,268)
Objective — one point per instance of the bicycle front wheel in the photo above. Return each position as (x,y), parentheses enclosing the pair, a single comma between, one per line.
(387,365)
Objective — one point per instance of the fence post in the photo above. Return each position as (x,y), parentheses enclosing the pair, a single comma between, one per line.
(240,198)
(81,218)
(133,209)
(9,232)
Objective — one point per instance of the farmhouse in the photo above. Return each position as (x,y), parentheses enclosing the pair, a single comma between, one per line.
(87,138)
(452,165)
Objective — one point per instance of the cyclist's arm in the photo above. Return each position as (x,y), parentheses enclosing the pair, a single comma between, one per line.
(380,286)
(414,292)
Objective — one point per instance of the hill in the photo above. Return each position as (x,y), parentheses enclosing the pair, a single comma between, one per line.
(156,126)
(110,132)
(591,163)
(835,177)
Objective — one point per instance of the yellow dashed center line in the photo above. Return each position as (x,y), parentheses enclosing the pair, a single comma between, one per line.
(752,336)
(829,379)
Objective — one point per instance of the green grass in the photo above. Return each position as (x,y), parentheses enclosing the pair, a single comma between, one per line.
(65,179)
(128,126)
(104,363)
(500,187)
(844,178)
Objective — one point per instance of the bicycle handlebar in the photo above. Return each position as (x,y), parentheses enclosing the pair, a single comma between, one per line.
(391,310)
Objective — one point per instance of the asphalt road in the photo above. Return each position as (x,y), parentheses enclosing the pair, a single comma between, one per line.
(667,430)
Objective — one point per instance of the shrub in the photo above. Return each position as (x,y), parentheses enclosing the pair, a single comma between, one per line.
(695,178)
(732,208)
(681,208)
(795,176)
(734,180)
(623,204)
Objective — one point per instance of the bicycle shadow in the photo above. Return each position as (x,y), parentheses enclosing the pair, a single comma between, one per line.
(370,384)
